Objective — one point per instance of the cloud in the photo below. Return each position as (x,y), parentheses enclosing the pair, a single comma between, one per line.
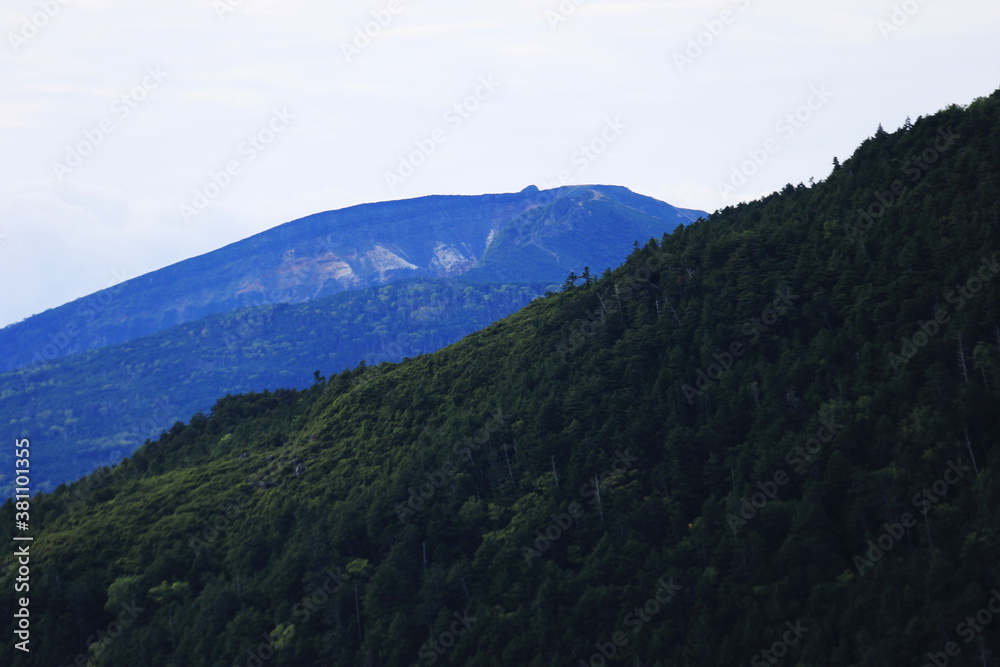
(354,119)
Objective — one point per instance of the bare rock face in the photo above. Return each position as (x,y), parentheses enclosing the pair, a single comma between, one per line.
(531,236)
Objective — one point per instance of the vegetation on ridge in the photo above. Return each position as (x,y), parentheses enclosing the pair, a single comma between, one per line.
(769,435)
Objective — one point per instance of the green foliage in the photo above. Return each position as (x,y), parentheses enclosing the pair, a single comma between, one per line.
(94,408)
(356,521)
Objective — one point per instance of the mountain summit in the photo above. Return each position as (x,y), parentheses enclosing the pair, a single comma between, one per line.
(769,437)
(374,283)
(531,236)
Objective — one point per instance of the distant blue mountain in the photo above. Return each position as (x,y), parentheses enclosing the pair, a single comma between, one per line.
(93,379)
(528,237)
(93,408)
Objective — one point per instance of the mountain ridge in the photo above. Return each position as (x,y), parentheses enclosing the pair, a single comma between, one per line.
(577,504)
(438,236)
(97,406)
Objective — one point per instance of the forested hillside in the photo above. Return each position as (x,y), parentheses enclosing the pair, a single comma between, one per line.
(94,408)
(769,437)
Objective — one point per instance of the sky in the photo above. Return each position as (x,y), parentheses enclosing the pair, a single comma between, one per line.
(137,134)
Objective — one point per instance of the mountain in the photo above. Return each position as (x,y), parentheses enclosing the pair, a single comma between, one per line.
(98,406)
(530,237)
(769,437)
(95,406)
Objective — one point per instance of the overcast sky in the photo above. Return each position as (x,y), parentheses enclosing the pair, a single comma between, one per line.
(137,134)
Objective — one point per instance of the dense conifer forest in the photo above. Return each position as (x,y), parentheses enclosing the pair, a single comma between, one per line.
(768,437)
(96,407)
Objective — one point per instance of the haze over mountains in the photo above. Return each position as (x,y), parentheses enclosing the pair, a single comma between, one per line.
(768,437)
(532,236)
(380,282)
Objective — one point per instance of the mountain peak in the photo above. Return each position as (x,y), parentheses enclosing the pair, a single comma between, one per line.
(518,237)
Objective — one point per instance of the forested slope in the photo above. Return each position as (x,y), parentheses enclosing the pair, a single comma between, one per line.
(94,408)
(720,453)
